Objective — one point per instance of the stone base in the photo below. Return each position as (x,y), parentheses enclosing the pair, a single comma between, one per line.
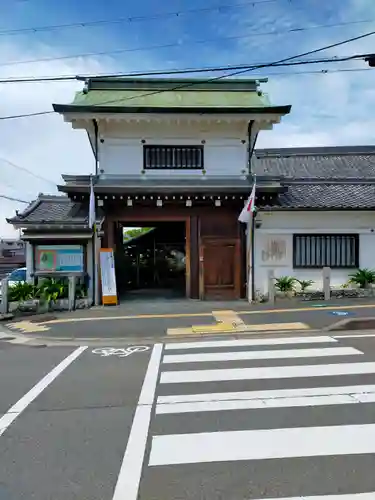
(35,306)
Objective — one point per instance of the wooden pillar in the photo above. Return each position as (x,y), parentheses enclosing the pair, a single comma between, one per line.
(111,234)
(194,257)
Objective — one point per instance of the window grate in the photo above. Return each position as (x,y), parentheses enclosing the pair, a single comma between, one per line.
(173,157)
(325,250)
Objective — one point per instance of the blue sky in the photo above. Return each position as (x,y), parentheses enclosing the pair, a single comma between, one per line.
(328,109)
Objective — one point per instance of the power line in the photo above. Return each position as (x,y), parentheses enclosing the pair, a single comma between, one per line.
(13,199)
(133,19)
(23,169)
(190,84)
(192,42)
(180,71)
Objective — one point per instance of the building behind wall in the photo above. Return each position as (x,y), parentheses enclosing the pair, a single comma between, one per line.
(12,255)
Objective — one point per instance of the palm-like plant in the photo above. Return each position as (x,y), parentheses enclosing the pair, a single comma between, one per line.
(362,277)
(285,283)
(304,284)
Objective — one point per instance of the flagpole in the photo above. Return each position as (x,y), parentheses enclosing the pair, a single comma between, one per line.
(251,250)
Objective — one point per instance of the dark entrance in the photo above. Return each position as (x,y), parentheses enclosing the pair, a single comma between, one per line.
(152,264)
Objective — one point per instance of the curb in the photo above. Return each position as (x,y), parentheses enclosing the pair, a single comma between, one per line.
(65,341)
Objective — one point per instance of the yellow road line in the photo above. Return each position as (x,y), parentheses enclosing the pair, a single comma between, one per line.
(246,329)
(303,309)
(206,314)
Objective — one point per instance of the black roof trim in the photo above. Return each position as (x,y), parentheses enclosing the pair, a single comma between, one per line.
(186,84)
(73,108)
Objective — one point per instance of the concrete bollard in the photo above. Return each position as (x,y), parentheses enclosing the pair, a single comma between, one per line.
(271,286)
(327,283)
(4,296)
(72,293)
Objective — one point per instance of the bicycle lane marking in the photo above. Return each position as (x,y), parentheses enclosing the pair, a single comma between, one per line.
(120,352)
(8,418)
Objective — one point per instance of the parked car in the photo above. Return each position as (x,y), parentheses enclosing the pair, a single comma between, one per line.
(16,276)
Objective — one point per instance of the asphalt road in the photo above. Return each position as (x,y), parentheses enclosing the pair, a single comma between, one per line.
(103,323)
(246,419)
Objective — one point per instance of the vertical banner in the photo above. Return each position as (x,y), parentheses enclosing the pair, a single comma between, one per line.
(108,277)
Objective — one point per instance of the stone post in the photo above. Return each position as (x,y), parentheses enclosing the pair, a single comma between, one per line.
(72,293)
(271,286)
(327,283)
(4,296)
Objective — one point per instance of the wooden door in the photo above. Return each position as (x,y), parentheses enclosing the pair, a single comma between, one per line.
(220,262)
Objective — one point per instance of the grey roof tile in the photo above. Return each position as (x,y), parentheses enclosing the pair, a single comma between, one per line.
(53,209)
(329,196)
(316,163)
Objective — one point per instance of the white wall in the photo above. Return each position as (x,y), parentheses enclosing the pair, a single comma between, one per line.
(278,228)
(224,152)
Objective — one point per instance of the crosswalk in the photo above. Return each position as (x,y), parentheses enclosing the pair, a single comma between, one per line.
(273,418)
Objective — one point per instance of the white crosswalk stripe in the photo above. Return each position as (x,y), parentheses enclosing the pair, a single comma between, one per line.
(265,375)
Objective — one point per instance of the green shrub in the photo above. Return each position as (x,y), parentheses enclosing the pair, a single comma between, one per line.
(304,284)
(285,283)
(362,277)
(22,291)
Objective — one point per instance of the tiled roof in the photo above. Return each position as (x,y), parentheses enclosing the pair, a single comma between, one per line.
(327,196)
(317,163)
(52,209)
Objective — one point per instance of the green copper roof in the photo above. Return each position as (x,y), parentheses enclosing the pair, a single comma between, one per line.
(187,98)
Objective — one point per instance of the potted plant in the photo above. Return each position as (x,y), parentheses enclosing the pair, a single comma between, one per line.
(362,278)
(286,285)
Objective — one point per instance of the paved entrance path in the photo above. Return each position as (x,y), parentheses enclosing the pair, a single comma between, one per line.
(266,418)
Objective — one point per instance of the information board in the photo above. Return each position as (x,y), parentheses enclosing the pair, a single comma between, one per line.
(59,258)
(108,276)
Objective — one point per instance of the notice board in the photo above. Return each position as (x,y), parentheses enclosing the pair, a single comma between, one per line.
(108,277)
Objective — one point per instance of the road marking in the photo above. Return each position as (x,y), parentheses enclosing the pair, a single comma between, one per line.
(264,444)
(131,468)
(28,327)
(271,394)
(121,352)
(236,401)
(261,373)
(225,328)
(253,355)
(250,342)
(359,335)
(350,496)
(38,388)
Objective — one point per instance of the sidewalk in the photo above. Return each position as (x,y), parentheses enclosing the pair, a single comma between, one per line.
(140,320)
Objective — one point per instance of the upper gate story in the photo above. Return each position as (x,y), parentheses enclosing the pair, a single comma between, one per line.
(164,127)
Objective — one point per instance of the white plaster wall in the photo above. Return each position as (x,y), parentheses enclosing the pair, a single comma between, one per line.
(281,227)
(225,153)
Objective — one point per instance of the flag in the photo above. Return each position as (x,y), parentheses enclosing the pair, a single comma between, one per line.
(249,207)
(92,215)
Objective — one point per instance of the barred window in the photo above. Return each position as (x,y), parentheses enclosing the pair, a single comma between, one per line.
(326,250)
(173,157)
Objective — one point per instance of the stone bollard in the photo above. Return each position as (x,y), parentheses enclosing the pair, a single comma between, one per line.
(327,283)
(4,296)
(72,293)
(271,286)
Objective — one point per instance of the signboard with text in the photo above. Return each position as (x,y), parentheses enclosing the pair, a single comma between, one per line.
(59,258)
(108,276)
